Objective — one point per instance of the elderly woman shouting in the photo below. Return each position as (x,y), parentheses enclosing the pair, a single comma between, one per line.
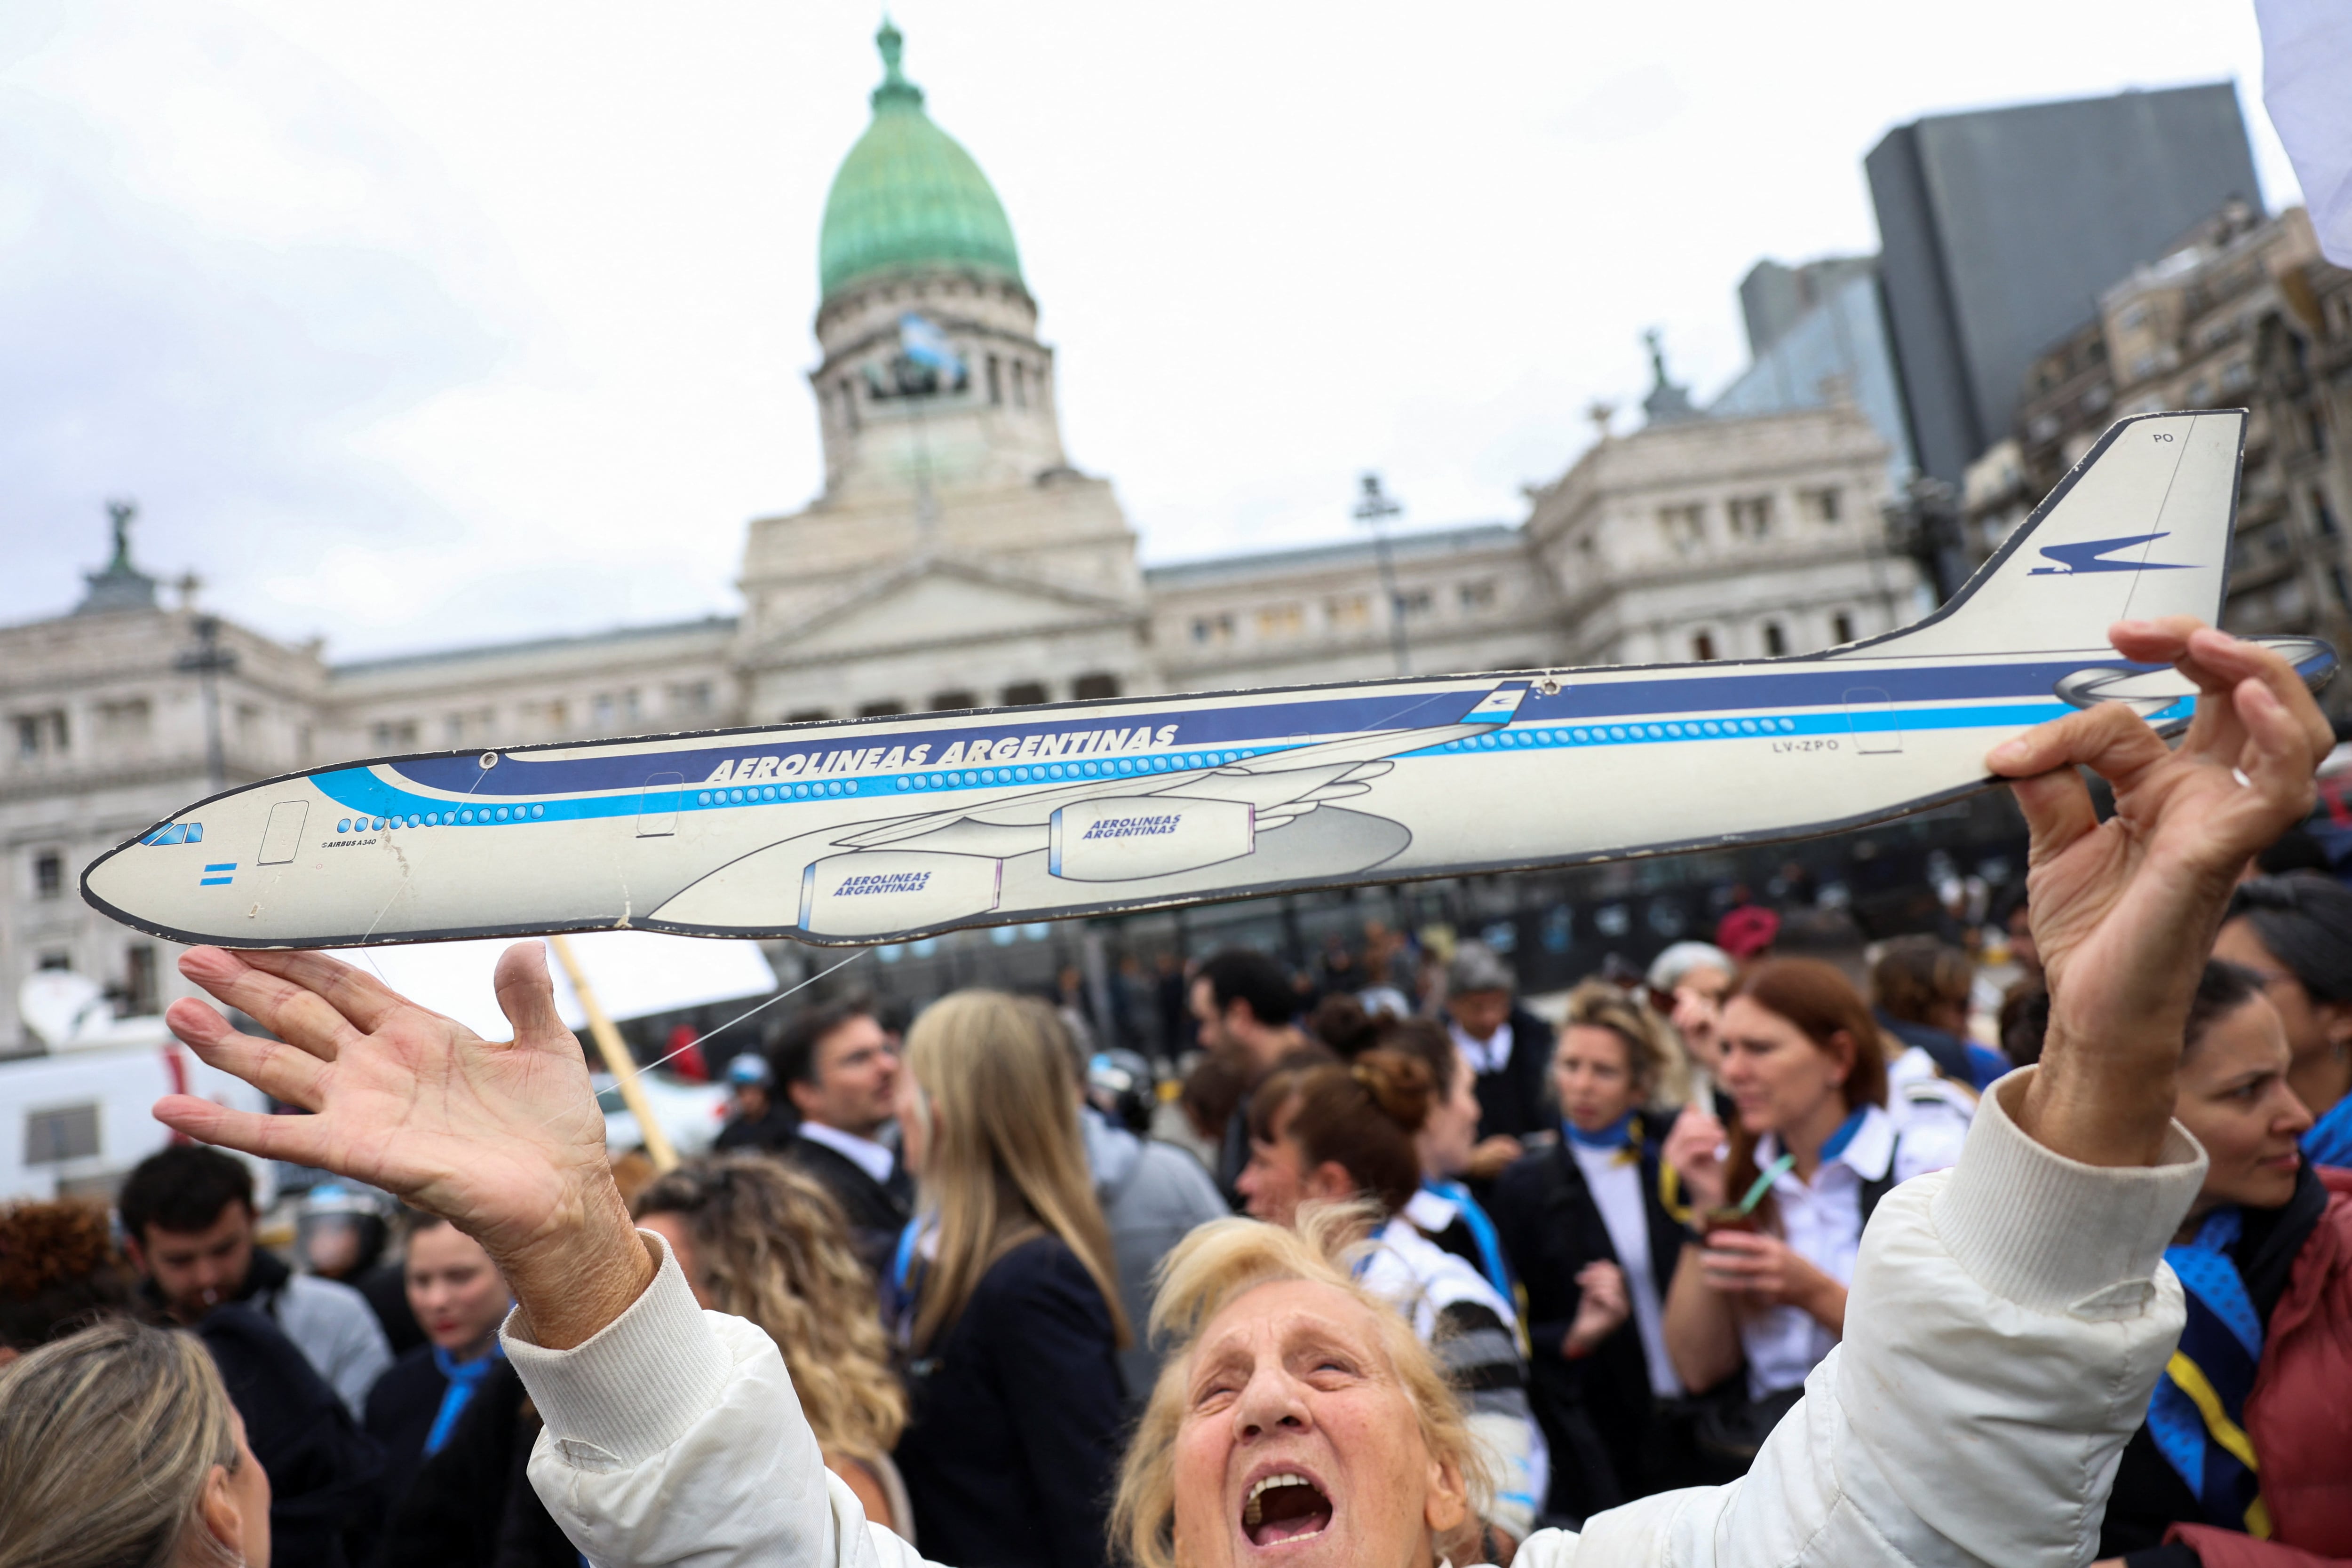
(2008,1318)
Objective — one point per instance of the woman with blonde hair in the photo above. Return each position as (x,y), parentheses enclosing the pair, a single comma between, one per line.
(763,1242)
(1346,1133)
(119,1446)
(1007,1293)
(1593,1225)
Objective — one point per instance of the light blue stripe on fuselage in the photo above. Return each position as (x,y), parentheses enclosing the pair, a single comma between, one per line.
(364,790)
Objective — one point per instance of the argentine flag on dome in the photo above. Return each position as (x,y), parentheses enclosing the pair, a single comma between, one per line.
(920,339)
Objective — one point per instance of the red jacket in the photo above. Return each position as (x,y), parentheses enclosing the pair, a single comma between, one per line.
(2299,1416)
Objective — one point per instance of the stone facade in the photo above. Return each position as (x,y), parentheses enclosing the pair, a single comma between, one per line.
(1724,538)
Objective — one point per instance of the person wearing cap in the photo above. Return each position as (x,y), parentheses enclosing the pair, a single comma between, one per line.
(754,1118)
(1508,1048)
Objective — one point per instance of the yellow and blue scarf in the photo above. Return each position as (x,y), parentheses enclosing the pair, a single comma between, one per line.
(2197,1416)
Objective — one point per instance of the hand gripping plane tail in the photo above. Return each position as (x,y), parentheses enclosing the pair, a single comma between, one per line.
(886,829)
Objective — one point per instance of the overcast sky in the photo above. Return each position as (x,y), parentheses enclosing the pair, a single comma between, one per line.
(429,323)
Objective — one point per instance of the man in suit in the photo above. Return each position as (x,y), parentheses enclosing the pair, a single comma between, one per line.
(1509,1047)
(841,1070)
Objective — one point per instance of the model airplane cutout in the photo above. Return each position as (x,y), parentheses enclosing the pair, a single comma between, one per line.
(890,828)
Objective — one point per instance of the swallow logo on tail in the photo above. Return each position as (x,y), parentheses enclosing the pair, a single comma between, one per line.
(2075,560)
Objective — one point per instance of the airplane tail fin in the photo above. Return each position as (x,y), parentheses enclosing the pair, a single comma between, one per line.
(1498,706)
(2141,528)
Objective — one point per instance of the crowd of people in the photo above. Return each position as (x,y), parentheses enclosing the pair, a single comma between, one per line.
(1425,1264)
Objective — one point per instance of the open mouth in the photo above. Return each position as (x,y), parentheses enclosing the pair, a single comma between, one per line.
(1286,1507)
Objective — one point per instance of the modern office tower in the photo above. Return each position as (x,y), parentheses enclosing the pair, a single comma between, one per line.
(1999,228)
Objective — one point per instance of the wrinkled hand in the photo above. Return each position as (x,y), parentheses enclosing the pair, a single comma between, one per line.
(1602,1307)
(501,1138)
(1493,1156)
(1695,1148)
(2124,910)
(1767,1271)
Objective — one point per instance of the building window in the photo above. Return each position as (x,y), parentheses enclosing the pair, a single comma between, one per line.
(808,716)
(1025,693)
(1020,385)
(943,702)
(1842,627)
(128,719)
(40,735)
(2237,376)
(1776,642)
(1684,527)
(995,379)
(1276,621)
(1703,646)
(849,403)
(885,708)
(1095,689)
(2320,517)
(1416,602)
(55,960)
(67,1133)
(1751,516)
(1823,506)
(48,874)
(1213,629)
(1348,611)
(2342,586)
(690,698)
(139,979)
(394,734)
(1476,596)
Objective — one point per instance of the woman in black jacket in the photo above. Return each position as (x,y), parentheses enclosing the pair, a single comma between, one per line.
(1007,1295)
(1588,1226)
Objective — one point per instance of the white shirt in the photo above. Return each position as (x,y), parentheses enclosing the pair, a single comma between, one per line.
(1484,1056)
(875,1159)
(1615,1184)
(1822,1222)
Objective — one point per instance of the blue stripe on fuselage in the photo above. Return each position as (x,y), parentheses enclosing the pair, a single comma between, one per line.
(362,790)
(1795,685)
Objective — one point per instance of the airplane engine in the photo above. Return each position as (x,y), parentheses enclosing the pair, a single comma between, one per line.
(875,893)
(1149,835)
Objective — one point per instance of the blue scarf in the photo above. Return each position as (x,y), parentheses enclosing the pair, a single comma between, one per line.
(2198,1414)
(1842,1136)
(1482,1233)
(1617,1135)
(2329,1142)
(464,1378)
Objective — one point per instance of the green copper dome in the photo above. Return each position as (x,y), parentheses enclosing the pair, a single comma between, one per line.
(908,196)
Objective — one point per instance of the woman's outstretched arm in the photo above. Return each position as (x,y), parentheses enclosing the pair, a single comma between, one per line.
(641,1392)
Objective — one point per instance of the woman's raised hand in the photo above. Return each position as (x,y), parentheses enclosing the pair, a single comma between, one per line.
(1602,1307)
(2125,910)
(502,1139)
(1695,1148)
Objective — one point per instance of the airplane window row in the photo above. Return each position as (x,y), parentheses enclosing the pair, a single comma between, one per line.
(467,816)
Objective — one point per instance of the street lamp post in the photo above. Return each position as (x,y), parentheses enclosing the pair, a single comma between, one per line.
(1374,508)
(208,661)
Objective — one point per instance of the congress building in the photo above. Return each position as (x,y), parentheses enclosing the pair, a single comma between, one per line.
(957,557)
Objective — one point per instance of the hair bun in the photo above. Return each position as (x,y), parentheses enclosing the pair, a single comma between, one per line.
(1399,1084)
